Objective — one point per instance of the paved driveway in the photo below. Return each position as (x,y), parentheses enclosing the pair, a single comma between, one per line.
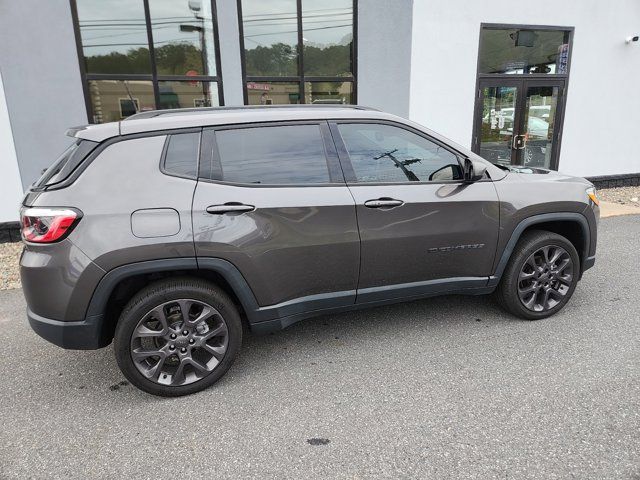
(441,388)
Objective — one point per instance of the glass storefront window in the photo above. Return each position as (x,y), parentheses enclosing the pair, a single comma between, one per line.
(114,100)
(523,51)
(183,39)
(188,94)
(122,78)
(327,30)
(270,37)
(328,92)
(273,93)
(114,36)
(276,34)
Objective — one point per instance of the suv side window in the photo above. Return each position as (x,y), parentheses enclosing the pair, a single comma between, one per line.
(181,154)
(276,155)
(389,154)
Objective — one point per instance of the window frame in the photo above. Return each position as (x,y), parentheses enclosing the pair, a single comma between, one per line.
(349,172)
(153,77)
(301,78)
(211,166)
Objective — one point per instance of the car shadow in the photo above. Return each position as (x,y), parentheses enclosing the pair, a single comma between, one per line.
(311,338)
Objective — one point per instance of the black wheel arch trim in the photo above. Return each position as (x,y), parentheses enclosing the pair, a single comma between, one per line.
(578,218)
(229,272)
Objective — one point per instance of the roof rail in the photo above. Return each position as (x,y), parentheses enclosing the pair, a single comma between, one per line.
(203,110)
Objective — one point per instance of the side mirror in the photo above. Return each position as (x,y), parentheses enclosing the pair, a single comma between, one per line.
(448,172)
(473,170)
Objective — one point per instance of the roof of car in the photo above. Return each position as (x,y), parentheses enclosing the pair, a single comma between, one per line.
(158,120)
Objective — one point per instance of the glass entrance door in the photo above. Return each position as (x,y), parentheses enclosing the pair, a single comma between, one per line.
(494,140)
(516,121)
(540,114)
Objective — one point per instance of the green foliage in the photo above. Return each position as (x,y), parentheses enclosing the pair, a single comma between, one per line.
(334,60)
(178,59)
(171,59)
(279,59)
(135,61)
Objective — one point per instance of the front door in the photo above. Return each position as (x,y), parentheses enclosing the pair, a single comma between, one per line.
(518,121)
(421,227)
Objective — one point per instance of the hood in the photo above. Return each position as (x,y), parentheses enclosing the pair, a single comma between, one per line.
(535,174)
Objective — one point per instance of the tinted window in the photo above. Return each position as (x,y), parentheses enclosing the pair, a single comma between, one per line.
(273,155)
(270,37)
(327,31)
(522,51)
(181,157)
(277,34)
(183,38)
(121,76)
(114,36)
(384,153)
(112,99)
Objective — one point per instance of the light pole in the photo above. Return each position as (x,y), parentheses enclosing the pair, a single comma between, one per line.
(195,6)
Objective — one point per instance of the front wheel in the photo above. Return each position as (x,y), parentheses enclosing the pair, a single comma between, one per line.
(177,336)
(540,277)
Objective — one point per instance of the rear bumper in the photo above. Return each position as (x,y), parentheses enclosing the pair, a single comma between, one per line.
(83,335)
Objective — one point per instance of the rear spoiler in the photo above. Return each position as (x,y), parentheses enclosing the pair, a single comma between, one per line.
(95,133)
(73,131)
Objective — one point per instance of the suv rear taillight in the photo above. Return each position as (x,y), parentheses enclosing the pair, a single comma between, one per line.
(47,225)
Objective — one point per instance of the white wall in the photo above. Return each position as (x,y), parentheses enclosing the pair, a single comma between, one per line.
(42,83)
(230,60)
(384,54)
(602,117)
(10,184)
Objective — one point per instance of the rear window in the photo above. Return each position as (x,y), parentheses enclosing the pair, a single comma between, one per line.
(292,154)
(66,163)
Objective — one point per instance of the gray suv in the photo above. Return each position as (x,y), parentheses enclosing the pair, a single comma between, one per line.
(167,232)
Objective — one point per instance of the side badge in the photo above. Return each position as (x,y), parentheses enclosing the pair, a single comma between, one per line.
(456,248)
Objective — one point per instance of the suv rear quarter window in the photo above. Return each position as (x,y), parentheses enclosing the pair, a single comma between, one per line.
(273,155)
(181,154)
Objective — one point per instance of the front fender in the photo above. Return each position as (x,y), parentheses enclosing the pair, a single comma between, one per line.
(578,218)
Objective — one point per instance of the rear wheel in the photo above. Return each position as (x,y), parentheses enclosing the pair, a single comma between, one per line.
(540,277)
(177,336)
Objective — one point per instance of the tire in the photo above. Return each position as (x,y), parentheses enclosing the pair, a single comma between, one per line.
(164,353)
(528,276)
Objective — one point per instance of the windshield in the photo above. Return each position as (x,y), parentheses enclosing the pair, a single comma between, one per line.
(66,163)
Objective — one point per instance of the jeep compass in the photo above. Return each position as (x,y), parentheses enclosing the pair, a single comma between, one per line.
(168,232)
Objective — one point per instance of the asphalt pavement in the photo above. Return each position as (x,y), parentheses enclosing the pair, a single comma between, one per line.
(448,387)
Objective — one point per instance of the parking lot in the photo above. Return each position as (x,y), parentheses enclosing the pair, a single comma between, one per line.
(447,387)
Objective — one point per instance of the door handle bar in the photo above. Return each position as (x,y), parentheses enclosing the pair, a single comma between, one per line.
(230,208)
(383,202)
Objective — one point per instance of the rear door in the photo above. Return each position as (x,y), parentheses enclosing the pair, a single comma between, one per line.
(422,229)
(271,199)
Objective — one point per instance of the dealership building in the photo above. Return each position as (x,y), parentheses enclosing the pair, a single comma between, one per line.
(551,85)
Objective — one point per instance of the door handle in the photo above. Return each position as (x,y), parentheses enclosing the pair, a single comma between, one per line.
(383,202)
(230,207)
